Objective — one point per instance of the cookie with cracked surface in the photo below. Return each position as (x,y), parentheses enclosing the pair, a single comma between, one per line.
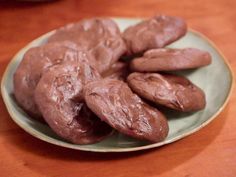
(114,102)
(156,32)
(172,91)
(100,36)
(170,60)
(59,96)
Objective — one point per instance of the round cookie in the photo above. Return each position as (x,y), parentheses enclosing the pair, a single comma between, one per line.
(172,91)
(156,32)
(100,36)
(170,60)
(114,102)
(34,63)
(59,96)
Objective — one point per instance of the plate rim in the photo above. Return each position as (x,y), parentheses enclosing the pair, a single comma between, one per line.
(50,140)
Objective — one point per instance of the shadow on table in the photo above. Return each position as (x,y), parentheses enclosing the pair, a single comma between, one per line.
(157,161)
(9,4)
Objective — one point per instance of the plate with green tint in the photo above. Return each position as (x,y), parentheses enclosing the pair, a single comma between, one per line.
(209,78)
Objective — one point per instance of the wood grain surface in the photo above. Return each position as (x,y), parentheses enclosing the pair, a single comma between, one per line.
(209,152)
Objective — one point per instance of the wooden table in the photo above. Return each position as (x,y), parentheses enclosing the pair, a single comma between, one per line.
(209,152)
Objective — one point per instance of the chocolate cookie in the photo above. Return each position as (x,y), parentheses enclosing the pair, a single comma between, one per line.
(156,32)
(170,60)
(35,62)
(101,36)
(60,99)
(113,102)
(172,91)
(118,70)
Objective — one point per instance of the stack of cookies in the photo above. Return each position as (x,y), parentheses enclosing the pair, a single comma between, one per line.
(80,84)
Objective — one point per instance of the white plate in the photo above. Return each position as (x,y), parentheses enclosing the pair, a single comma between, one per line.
(216,80)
